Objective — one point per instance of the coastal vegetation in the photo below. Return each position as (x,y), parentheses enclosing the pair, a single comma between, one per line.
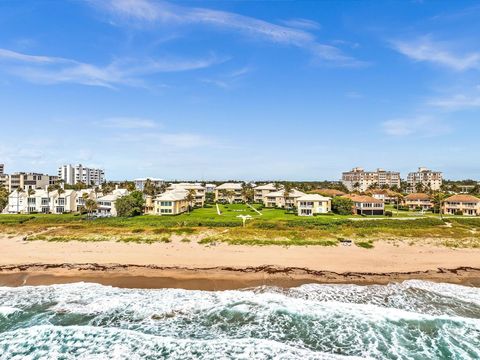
(272,227)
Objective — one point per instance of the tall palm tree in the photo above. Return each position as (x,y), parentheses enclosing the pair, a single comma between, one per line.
(90,206)
(230,194)
(287,190)
(19,191)
(30,192)
(191,195)
(247,193)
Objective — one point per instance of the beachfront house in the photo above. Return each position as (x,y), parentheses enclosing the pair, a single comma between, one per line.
(261,191)
(172,202)
(17,202)
(366,205)
(106,203)
(229,193)
(461,205)
(199,190)
(82,196)
(63,201)
(418,201)
(313,204)
(279,200)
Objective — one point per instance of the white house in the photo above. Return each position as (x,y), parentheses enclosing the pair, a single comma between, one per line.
(172,202)
(17,202)
(80,201)
(64,202)
(312,204)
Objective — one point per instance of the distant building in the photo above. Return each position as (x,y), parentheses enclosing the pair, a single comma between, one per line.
(418,201)
(428,179)
(171,202)
(3,177)
(72,175)
(260,191)
(196,187)
(210,188)
(360,180)
(229,192)
(140,183)
(461,204)
(30,181)
(278,199)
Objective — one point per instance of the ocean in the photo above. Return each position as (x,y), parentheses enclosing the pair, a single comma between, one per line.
(408,320)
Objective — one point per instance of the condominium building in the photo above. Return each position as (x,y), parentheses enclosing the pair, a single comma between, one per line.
(140,183)
(3,177)
(424,179)
(279,200)
(416,201)
(260,191)
(72,175)
(462,205)
(30,181)
(199,190)
(172,202)
(360,180)
(313,204)
(229,192)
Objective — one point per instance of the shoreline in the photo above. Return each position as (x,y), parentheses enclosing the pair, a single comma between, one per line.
(191,265)
(219,278)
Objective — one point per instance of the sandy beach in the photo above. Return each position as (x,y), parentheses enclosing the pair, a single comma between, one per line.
(221,266)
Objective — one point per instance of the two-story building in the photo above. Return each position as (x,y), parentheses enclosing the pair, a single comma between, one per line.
(418,201)
(171,202)
(199,190)
(461,204)
(366,205)
(313,204)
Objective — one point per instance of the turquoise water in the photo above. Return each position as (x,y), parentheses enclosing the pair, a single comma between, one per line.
(409,320)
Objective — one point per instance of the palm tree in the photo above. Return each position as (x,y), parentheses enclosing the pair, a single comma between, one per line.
(287,190)
(230,194)
(247,193)
(90,206)
(19,191)
(30,192)
(191,195)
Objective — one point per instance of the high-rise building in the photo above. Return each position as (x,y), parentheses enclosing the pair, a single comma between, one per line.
(72,175)
(29,181)
(3,177)
(424,178)
(360,180)
(2,169)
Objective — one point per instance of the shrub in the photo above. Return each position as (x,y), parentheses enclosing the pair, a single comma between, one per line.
(459,212)
(130,205)
(342,205)
(388,213)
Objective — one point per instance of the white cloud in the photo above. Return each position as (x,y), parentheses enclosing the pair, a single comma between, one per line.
(163,12)
(53,70)
(457,102)
(440,53)
(421,126)
(128,123)
(302,24)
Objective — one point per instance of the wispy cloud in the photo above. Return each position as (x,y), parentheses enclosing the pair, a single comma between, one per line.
(128,123)
(302,24)
(54,70)
(457,102)
(420,126)
(163,12)
(228,80)
(438,52)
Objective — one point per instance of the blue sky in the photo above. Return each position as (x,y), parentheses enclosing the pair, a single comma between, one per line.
(296,90)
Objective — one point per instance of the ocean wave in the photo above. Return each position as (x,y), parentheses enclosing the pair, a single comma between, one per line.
(418,319)
(46,342)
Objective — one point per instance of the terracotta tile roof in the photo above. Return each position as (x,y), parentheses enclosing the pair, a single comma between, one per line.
(417,196)
(363,199)
(463,198)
